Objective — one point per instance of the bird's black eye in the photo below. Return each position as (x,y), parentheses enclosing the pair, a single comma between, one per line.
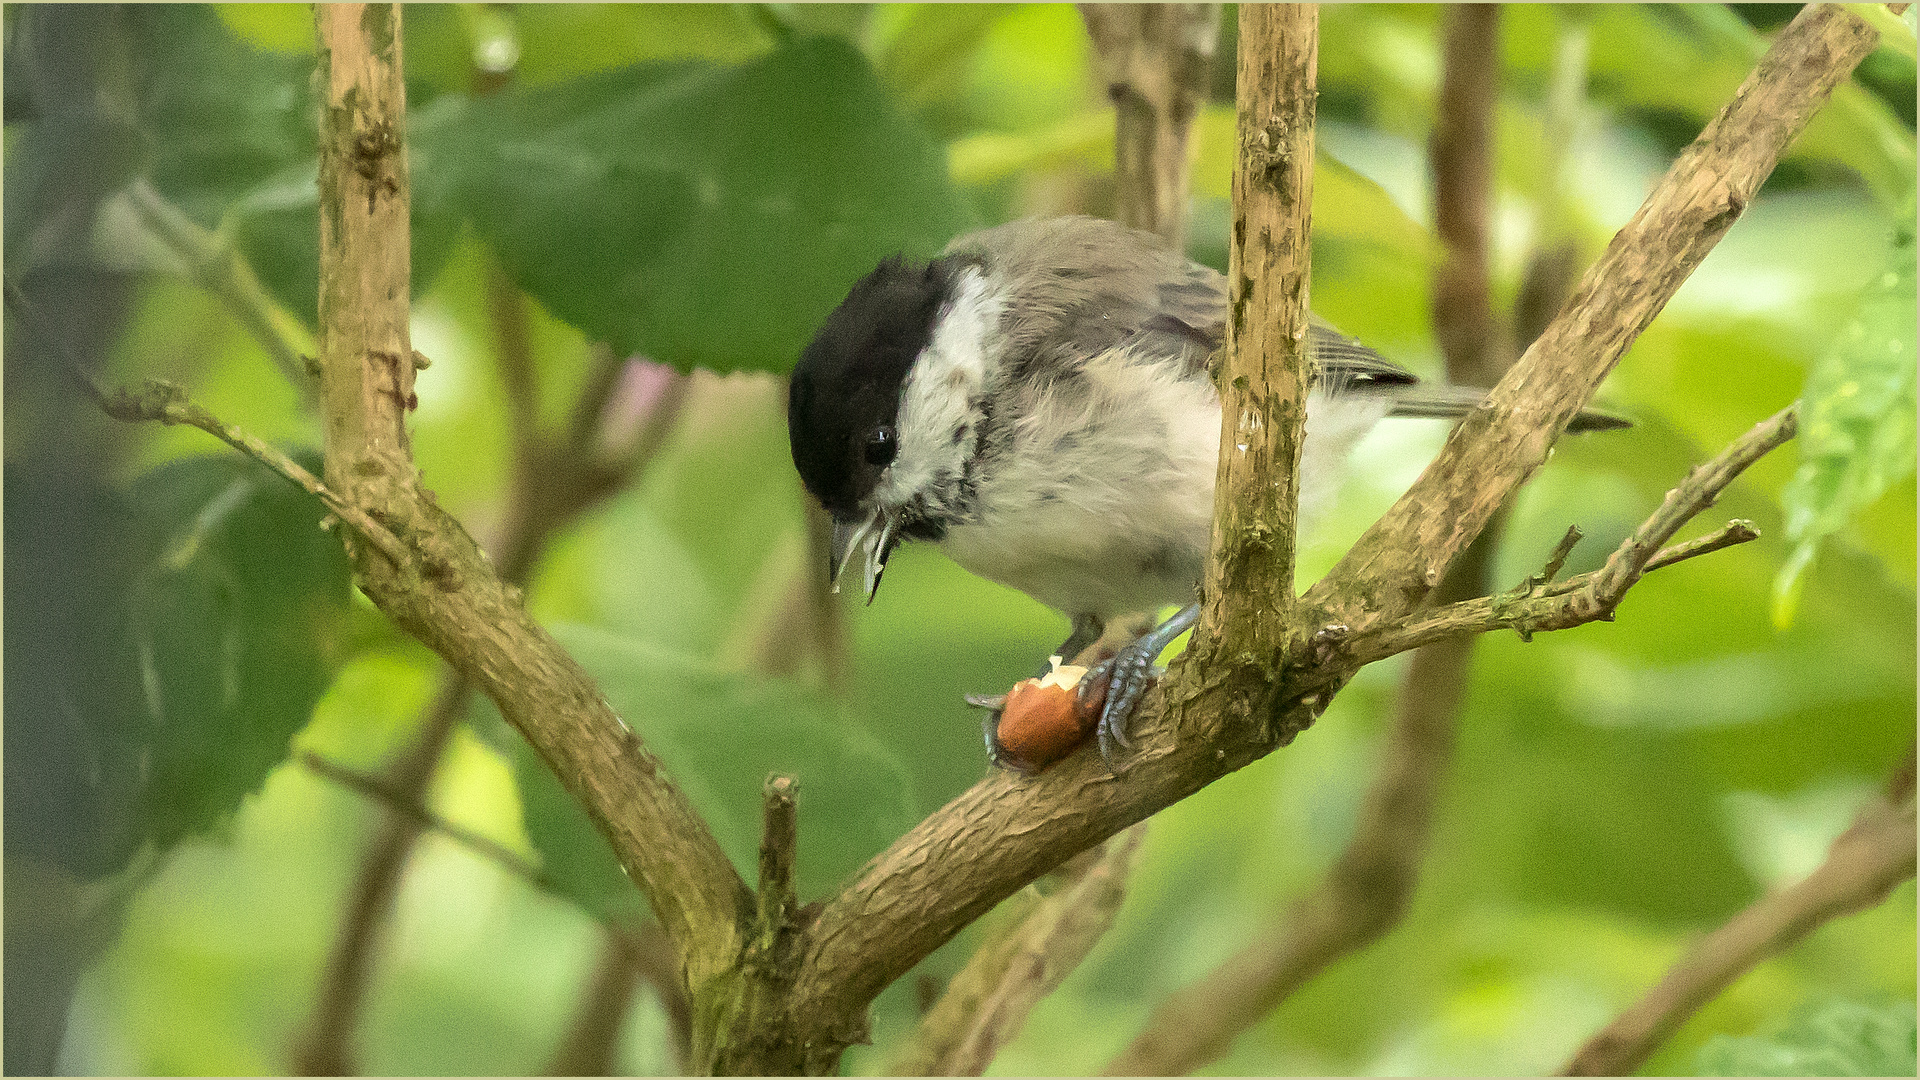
(882,445)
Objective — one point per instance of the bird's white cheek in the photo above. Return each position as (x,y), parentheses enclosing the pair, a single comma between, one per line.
(936,403)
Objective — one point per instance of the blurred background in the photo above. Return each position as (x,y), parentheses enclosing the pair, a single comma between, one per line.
(627,221)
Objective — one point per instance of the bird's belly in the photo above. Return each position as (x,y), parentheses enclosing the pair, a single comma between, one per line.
(1070,562)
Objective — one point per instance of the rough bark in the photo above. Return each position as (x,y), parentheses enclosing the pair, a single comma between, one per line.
(444,590)
(1398,562)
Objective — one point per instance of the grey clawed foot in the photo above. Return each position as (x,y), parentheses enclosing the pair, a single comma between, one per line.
(1126,676)
(1122,679)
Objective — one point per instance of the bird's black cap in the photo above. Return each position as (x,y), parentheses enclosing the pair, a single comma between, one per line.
(847,383)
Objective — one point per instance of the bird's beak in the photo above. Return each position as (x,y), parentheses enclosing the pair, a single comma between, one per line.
(870,539)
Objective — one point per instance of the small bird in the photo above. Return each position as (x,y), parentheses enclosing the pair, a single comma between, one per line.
(1036,400)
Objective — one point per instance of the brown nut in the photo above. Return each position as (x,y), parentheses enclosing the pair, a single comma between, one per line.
(1043,720)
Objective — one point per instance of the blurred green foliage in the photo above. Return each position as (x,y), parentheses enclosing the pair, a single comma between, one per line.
(1840,1038)
(700,183)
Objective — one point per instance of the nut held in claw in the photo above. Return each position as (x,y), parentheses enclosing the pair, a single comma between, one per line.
(1044,719)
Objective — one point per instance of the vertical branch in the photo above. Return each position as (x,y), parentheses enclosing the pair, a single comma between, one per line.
(366,378)
(779,846)
(1263,377)
(1371,883)
(440,587)
(1155,58)
(1462,154)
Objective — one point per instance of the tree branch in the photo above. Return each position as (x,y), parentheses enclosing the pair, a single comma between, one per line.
(1397,563)
(1543,604)
(1006,831)
(988,1001)
(1371,883)
(1875,854)
(1248,595)
(451,598)
(1155,59)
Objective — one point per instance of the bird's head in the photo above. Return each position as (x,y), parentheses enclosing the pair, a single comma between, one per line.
(885,409)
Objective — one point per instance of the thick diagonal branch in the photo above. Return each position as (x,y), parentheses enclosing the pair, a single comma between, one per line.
(1397,563)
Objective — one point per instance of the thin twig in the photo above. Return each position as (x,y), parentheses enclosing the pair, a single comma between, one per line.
(1737,531)
(1558,558)
(779,847)
(1875,854)
(381,791)
(1593,596)
(168,403)
(216,266)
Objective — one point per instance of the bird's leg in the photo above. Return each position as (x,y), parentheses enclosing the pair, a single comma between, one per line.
(1086,630)
(1126,676)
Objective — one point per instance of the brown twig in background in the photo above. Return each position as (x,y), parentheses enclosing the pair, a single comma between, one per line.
(1371,883)
(399,802)
(325,1045)
(1156,59)
(1470,334)
(1875,854)
(988,1001)
(629,953)
(592,1043)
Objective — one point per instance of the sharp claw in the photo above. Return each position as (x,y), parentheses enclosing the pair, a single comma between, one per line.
(989,726)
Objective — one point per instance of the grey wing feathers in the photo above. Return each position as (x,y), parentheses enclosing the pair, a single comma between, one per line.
(1086,285)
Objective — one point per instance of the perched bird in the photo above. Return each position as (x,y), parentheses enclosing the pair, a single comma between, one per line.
(1036,400)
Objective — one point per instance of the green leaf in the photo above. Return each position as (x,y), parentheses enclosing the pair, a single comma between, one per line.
(234,621)
(719,734)
(705,216)
(1840,1038)
(209,633)
(1856,420)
